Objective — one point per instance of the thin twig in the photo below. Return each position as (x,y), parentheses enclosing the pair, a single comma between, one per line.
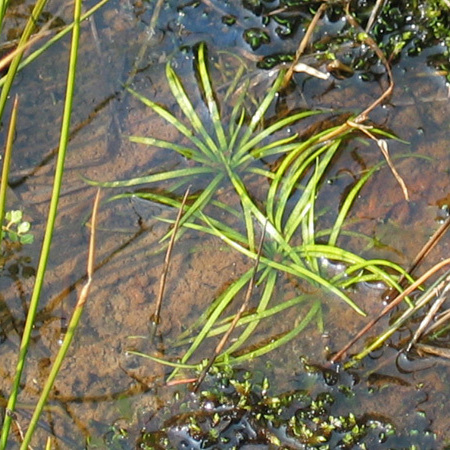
(363,116)
(155,16)
(444,317)
(147,42)
(431,314)
(373,45)
(434,351)
(237,317)
(162,280)
(382,145)
(74,321)
(423,300)
(426,249)
(43,32)
(91,256)
(389,307)
(303,44)
(373,15)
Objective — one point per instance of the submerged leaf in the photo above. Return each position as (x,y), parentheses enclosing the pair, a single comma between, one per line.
(229,148)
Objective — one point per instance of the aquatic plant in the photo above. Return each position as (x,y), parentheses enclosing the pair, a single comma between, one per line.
(237,408)
(18,229)
(227,152)
(231,151)
(428,304)
(291,250)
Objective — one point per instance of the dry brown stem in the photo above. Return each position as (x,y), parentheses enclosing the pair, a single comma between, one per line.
(304,42)
(338,356)
(162,280)
(237,317)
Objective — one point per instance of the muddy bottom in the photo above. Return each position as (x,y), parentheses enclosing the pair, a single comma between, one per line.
(106,397)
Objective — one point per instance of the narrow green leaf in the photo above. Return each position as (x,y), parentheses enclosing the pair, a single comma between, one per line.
(188,109)
(245,147)
(306,147)
(269,288)
(225,300)
(211,101)
(345,208)
(246,319)
(313,311)
(197,207)
(278,147)
(165,362)
(48,235)
(188,152)
(292,268)
(154,178)
(305,205)
(171,119)
(261,110)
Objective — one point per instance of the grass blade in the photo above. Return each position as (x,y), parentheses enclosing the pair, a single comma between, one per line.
(222,302)
(259,113)
(187,152)
(288,182)
(33,56)
(172,120)
(305,204)
(29,27)
(257,316)
(42,266)
(266,132)
(164,362)
(73,325)
(262,307)
(313,311)
(211,101)
(7,163)
(202,200)
(298,155)
(351,196)
(236,318)
(291,268)
(178,91)
(154,178)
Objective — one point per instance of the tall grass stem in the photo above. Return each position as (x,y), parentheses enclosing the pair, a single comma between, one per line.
(74,321)
(7,163)
(45,251)
(29,27)
(33,56)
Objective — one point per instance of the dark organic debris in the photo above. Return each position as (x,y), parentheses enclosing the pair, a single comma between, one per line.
(234,412)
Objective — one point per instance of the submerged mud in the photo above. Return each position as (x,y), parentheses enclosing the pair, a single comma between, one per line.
(106,398)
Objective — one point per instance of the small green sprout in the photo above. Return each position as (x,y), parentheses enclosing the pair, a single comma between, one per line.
(16,229)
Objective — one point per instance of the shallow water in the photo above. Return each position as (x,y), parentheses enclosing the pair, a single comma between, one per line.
(101,389)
